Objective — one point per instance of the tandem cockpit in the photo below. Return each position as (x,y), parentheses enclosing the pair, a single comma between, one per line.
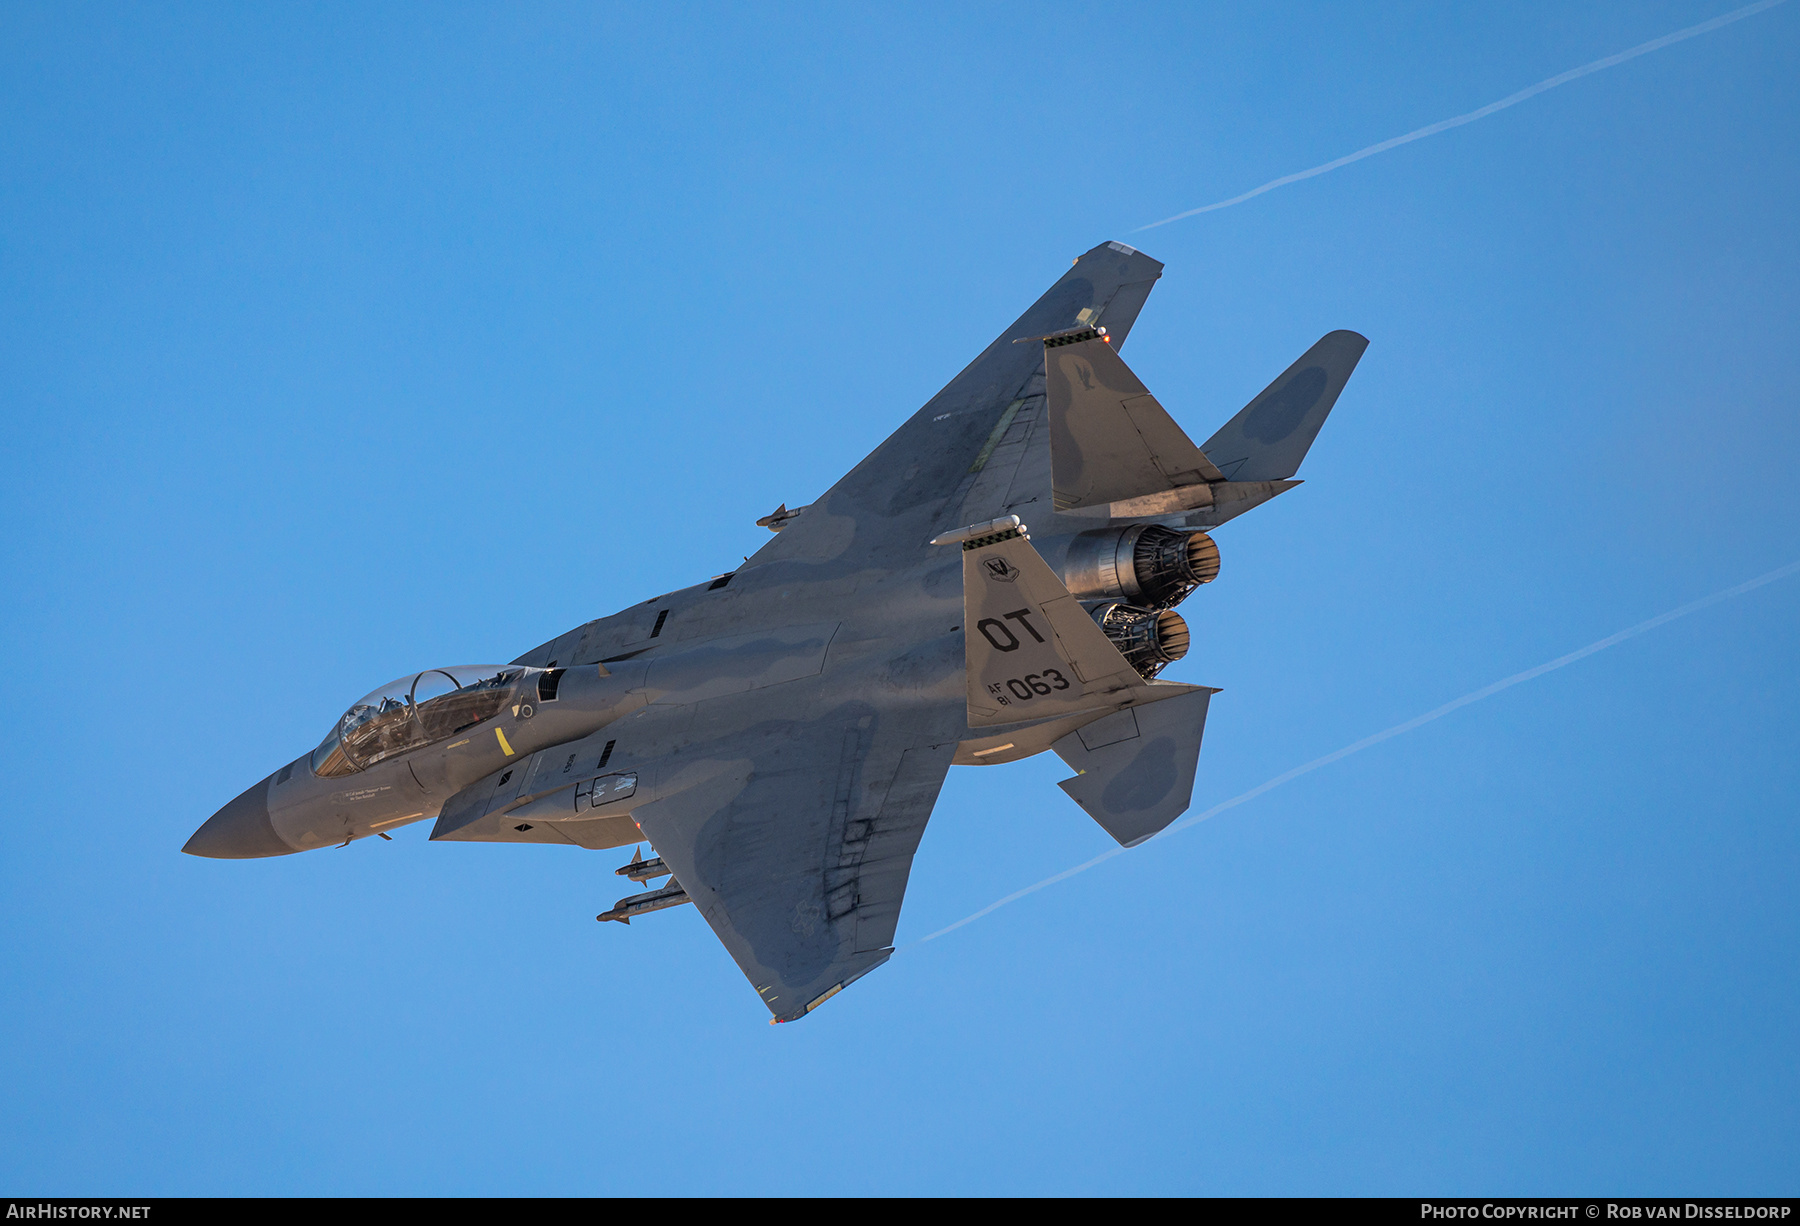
(421,709)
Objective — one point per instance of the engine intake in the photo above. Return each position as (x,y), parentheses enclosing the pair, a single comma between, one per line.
(1146,564)
(1149,639)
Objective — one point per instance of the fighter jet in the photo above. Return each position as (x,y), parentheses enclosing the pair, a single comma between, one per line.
(997,579)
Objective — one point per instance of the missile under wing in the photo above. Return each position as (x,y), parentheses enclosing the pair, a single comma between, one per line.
(996,579)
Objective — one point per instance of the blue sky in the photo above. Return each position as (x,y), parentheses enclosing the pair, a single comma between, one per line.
(342,341)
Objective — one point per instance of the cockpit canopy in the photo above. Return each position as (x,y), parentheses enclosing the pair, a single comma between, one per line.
(416,710)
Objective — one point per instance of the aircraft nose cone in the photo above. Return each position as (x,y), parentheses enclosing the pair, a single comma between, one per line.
(240,831)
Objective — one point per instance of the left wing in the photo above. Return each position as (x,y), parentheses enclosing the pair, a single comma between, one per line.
(795,838)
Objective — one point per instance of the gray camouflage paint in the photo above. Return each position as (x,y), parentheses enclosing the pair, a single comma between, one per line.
(785,732)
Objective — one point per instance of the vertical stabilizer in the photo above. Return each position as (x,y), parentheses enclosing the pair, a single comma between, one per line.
(1032,651)
(1110,441)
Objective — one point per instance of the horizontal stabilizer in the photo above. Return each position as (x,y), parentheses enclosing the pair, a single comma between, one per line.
(1137,765)
(1110,441)
(1269,438)
(1032,651)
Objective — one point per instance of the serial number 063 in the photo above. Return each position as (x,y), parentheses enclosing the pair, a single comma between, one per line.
(1031,685)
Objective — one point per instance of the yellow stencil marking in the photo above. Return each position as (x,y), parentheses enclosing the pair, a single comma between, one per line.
(501,736)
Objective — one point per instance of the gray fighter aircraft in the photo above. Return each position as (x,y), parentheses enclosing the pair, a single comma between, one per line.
(998,578)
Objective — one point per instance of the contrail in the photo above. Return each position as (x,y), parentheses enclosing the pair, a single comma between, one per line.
(1655,44)
(1486,691)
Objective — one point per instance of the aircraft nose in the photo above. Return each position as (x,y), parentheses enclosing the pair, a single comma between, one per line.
(240,831)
